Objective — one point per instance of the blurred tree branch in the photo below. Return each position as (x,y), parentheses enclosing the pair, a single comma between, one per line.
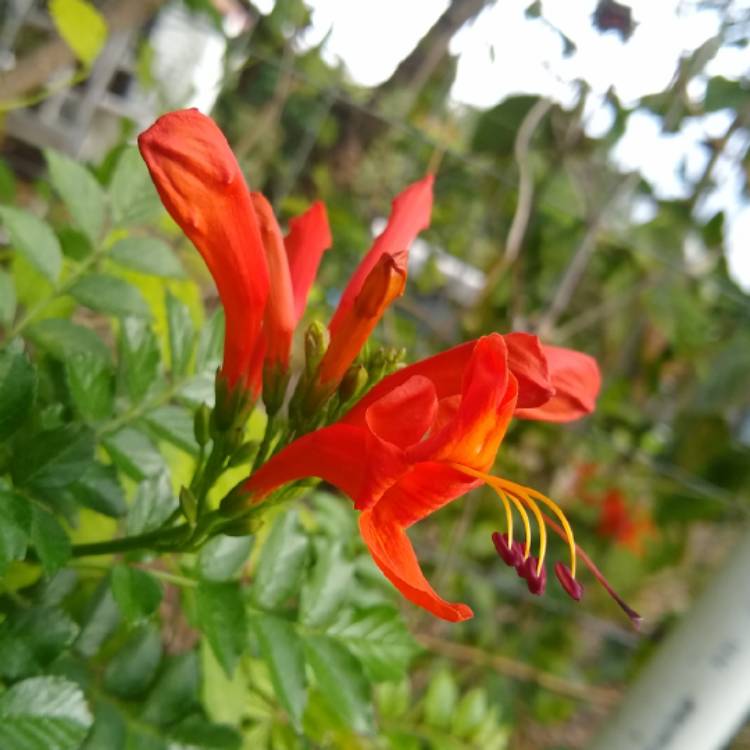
(37,67)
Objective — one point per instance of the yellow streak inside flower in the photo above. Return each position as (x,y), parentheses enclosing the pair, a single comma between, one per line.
(530,497)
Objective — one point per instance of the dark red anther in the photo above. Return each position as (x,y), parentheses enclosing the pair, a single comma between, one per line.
(511,554)
(527,569)
(572,588)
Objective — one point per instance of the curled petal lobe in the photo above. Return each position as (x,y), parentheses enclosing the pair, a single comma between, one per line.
(202,188)
(404,415)
(576,379)
(528,364)
(280,318)
(309,237)
(394,555)
(410,214)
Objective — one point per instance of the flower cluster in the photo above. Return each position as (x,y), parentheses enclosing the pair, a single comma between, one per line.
(419,438)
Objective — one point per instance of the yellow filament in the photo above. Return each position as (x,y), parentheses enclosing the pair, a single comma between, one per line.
(555,508)
(508,513)
(528,496)
(542,528)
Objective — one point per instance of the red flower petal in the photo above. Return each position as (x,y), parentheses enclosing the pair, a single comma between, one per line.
(394,555)
(576,379)
(202,187)
(280,319)
(309,237)
(528,363)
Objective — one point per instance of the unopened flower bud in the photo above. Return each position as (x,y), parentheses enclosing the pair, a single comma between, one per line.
(244,453)
(201,424)
(354,380)
(316,343)
(275,381)
(188,505)
(243,526)
(571,587)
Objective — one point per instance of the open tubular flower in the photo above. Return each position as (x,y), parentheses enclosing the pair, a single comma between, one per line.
(425,436)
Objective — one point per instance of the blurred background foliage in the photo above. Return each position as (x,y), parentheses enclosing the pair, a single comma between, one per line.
(111,335)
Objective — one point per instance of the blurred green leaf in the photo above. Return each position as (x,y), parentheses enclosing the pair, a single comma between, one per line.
(176,691)
(139,357)
(100,620)
(221,617)
(344,687)
(53,459)
(283,651)
(100,490)
(133,668)
(63,339)
(17,390)
(43,713)
(181,335)
(723,93)
(281,564)
(175,425)
(50,540)
(31,639)
(91,384)
(470,713)
(148,255)
(34,239)
(108,294)
(7,298)
(133,196)
(136,592)
(15,527)
(82,27)
(154,503)
(133,453)
(440,700)
(379,639)
(223,556)
(79,191)
(328,585)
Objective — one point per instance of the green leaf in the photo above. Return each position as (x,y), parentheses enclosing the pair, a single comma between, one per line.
(471,712)
(378,637)
(108,294)
(195,733)
(328,586)
(30,639)
(210,343)
(34,239)
(100,620)
(7,183)
(134,453)
(139,357)
(222,558)
(17,391)
(175,425)
(221,617)
(154,503)
(282,649)
(148,255)
(344,687)
(91,385)
(723,93)
(80,192)
(15,527)
(62,339)
(133,196)
(281,564)
(50,540)
(82,27)
(136,592)
(176,691)
(181,335)
(53,459)
(43,713)
(133,668)
(100,490)
(440,700)
(108,732)
(7,299)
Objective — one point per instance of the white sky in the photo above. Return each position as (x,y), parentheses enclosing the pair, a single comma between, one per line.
(503,53)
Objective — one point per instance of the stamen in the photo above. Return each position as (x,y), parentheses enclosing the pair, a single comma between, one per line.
(535,575)
(516,502)
(635,618)
(510,552)
(555,508)
(542,529)
(571,587)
